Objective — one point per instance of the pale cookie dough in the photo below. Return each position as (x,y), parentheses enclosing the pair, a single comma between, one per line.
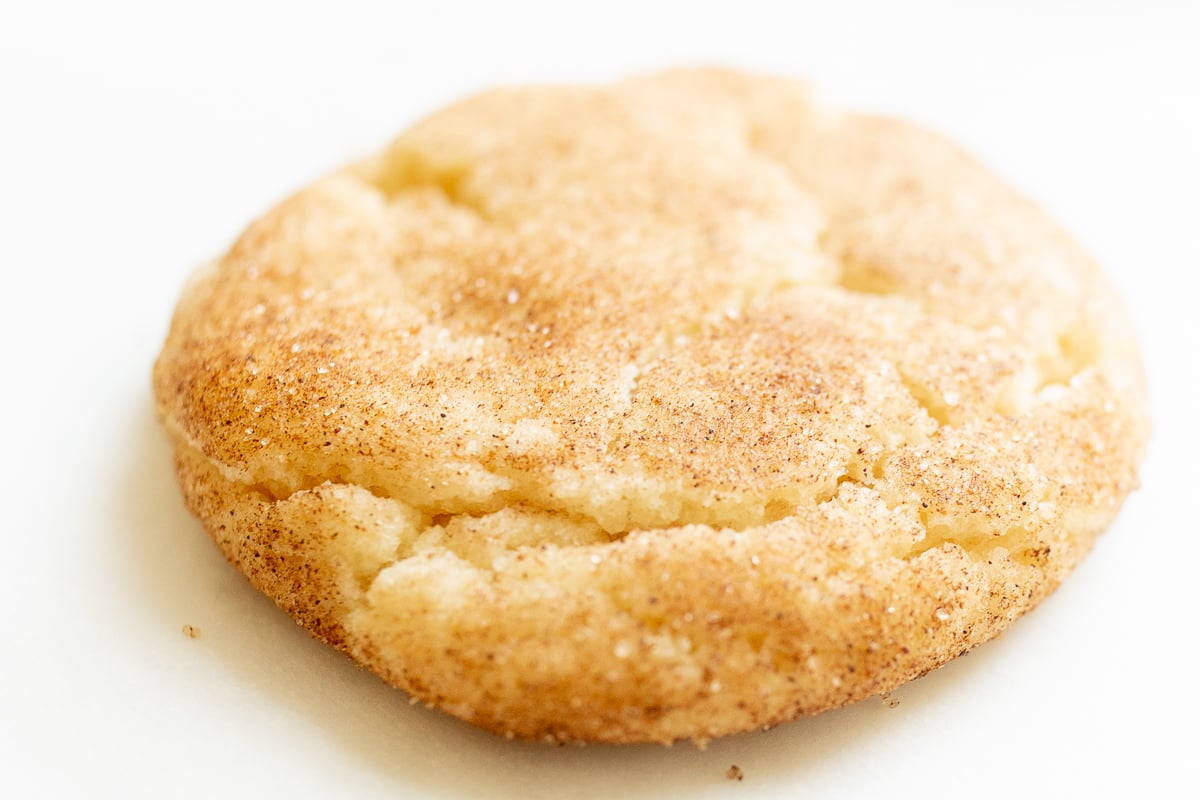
(667,409)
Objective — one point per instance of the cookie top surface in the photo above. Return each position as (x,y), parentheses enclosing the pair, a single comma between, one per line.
(665,409)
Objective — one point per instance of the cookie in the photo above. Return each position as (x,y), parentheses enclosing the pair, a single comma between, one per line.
(667,409)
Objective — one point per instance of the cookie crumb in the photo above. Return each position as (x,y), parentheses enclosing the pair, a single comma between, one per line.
(888,700)
(734,773)
(191,631)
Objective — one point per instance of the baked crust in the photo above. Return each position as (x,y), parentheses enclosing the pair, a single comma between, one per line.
(661,410)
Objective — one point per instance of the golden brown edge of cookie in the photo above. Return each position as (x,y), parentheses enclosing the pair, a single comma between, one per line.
(867,630)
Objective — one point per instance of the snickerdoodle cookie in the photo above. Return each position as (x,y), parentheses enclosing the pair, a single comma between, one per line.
(660,410)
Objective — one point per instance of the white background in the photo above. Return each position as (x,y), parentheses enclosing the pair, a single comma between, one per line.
(137,141)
